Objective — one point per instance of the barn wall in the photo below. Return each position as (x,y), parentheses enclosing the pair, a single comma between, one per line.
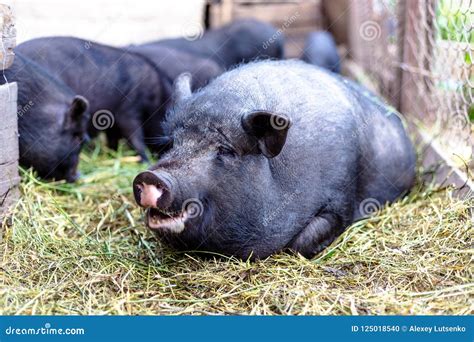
(114,22)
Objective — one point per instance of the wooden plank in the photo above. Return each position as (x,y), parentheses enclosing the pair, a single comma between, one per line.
(280,14)
(439,168)
(10,177)
(355,44)
(9,131)
(226,12)
(9,154)
(214,18)
(298,30)
(7,201)
(398,89)
(337,19)
(220,13)
(9,146)
(413,44)
(8,38)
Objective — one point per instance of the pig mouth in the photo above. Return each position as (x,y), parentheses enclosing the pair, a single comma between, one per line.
(160,220)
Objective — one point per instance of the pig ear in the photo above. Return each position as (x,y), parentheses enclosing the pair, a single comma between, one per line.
(76,113)
(269,129)
(79,107)
(182,86)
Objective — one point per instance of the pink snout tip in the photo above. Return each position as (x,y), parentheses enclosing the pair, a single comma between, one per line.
(149,196)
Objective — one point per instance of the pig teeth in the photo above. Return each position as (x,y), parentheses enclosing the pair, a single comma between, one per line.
(171,224)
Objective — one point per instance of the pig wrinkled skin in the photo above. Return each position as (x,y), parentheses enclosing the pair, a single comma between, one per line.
(52,121)
(241,41)
(320,49)
(124,88)
(273,156)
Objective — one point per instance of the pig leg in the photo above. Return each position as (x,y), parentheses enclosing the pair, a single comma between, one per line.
(317,235)
(133,132)
(113,137)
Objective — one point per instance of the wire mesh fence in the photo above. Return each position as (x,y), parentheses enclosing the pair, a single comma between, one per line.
(419,54)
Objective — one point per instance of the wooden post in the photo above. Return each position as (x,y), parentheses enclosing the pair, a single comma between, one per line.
(355,43)
(397,88)
(335,15)
(8,38)
(220,13)
(9,154)
(413,97)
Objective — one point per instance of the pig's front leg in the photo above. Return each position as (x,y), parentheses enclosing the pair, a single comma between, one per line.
(132,130)
(113,136)
(317,235)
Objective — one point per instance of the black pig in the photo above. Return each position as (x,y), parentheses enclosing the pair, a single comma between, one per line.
(52,121)
(239,42)
(272,156)
(320,49)
(124,88)
(171,63)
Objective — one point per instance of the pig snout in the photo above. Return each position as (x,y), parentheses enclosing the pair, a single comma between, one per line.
(153,189)
(149,195)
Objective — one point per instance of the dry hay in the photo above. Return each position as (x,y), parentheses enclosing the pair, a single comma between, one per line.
(83,249)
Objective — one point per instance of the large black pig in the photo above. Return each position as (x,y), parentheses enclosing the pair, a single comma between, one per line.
(52,121)
(320,49)
(272,156)
(239,42)
(124,88)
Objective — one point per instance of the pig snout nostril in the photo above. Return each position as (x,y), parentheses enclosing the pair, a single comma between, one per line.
(151,190)
(149,195)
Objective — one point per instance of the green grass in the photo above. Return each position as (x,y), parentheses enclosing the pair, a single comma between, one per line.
(83,249)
